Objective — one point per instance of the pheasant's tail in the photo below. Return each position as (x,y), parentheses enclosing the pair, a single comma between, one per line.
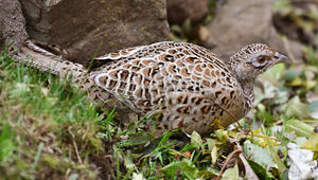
(47,62)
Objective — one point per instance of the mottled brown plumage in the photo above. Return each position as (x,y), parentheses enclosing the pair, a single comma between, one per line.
(188,86)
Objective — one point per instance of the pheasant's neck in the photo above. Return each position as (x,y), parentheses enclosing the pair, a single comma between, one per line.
(248,91)
(246,83)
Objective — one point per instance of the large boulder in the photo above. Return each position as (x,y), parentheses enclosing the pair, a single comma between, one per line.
(12,24)
(81,29)
(238,23)
(180,10)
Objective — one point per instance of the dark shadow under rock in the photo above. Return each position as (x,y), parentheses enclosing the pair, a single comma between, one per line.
(180,10)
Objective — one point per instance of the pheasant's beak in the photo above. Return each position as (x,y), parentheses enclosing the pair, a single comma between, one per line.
(279,57)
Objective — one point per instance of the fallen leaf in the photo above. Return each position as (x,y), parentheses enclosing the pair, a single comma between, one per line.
(295,108)
(204,33)
(138,176)
(301,163)
(196,139)
(313,109)
(299,127)
(312,143)
(231,173)
(258,154)
(213,149)
(187,154)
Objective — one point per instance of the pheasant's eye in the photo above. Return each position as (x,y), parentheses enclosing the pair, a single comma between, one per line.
(259,61)
(262,59)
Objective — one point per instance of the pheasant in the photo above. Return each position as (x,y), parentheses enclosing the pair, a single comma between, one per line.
(182,85)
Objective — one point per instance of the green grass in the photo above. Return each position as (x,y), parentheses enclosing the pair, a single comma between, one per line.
(48,129)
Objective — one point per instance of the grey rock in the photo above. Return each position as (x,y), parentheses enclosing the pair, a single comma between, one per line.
(238,23)
(12,24)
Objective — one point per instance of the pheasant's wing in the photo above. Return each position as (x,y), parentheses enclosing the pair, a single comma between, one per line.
(153,50)
(131,53)
(123,53)
(139,51)
(140,78)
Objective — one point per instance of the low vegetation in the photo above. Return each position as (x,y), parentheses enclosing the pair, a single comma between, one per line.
(49,130)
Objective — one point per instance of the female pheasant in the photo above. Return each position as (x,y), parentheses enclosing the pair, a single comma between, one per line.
(186,85)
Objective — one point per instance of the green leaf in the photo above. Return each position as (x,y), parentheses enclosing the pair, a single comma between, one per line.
(291,74)
(222,135)
(281,4)
(274,73)
(129,164)
(295,108)
(258,154)
(231,173)
(196,139)
(188,170)
(176,28)
(279,162)
(312,143)
(186,166)
(313,109)
(299,127)
(214,155)
(261,171)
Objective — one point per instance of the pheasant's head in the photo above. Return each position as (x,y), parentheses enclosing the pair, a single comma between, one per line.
(253,60)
